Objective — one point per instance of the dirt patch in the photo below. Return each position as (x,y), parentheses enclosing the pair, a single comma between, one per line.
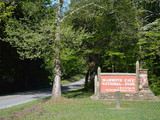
(43,102)
(18,114)
(32,109)
(108,102)
(29,109)
(64,101)
(5,119)
(49,115)
(36,109)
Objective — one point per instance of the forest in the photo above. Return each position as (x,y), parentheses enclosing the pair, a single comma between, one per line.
(39,40)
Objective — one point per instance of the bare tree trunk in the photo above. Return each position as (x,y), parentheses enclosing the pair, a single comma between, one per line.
(112,68)
(86,80)
(56,91)
(91,66)
(92,80)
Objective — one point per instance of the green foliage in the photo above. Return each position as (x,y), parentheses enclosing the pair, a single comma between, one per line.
(114,33)
(72,61)
(30,40)
(150,42)
(5,11)
(106,33)
(150,36)
(30,29)
(33,35)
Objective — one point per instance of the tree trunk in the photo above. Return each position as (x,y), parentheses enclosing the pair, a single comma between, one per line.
(112,68)
(56,91)
(86,80)
(91,66)
(92,80)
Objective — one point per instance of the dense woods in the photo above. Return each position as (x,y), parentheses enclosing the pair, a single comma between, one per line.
(112,34)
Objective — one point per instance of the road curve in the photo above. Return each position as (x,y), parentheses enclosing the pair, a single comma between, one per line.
(27,96)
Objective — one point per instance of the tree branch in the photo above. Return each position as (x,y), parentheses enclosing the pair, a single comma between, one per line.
(84,7)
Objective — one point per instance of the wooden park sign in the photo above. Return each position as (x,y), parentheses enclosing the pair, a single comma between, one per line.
(134,86)
(123,82)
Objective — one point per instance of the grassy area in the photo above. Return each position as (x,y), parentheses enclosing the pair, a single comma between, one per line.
(76,105)
(72,79)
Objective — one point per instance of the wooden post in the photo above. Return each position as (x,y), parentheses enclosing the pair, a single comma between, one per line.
(95,85)
(99,79)
(117,99)
(137,76)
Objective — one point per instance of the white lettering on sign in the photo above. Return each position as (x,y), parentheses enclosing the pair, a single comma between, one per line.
(118,83)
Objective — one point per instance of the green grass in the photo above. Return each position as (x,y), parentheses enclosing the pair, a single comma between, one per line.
(7,112)
(76,105)
(72,79)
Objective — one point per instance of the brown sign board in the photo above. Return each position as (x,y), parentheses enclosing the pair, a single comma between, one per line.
(118,82)
(134,86)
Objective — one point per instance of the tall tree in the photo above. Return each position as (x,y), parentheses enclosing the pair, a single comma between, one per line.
(114,34)
(36,34)
(75,39)
(56,91)
(150,53)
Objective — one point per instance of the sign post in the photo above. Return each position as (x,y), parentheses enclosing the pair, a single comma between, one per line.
(137,76)
(117,99)
(99,79)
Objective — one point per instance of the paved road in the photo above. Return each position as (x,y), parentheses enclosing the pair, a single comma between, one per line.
(27,96)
